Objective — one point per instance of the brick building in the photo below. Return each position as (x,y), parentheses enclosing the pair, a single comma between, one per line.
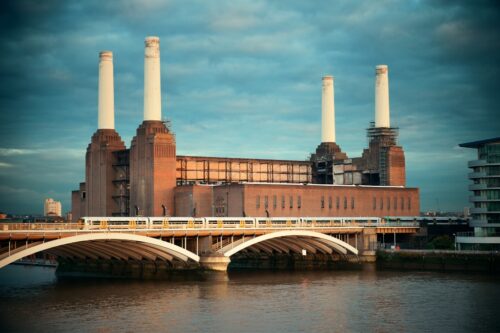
(150,179)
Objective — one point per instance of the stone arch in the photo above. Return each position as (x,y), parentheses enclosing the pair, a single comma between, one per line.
(308,239)
(113,245)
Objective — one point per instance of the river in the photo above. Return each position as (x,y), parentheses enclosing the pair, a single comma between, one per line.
(32,299)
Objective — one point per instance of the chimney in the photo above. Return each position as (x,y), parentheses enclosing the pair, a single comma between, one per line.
(327,110)
(106,98)
(382,118)
(152,88)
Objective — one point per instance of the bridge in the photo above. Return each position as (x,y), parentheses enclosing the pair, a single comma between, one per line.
(206,243)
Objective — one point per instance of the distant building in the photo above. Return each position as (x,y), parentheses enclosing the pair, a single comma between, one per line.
(69,216)
(485,198)
(52,207)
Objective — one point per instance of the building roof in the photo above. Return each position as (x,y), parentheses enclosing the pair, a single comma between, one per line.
(186,157)
(477,144)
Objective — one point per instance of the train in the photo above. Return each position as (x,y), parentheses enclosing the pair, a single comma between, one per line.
(90,223)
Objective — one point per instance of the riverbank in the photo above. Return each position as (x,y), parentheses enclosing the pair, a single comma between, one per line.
(440,260)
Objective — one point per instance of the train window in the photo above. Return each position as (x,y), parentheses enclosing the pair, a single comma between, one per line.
(322,201)
(257,203)
(275,201)
(330,202)
(299,201)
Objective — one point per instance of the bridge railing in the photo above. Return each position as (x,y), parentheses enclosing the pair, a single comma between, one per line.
(39,226)
(151,223)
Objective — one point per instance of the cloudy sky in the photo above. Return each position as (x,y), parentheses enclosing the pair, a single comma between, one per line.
(243,79)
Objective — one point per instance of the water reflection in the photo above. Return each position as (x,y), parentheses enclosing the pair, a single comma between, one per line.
(251,301)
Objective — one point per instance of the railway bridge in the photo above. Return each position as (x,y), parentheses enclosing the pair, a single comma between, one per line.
(206,243)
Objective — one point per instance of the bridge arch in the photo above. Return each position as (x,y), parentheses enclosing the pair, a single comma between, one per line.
(107,245)
(291,241)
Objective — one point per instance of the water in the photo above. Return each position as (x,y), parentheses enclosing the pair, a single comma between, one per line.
(33,300)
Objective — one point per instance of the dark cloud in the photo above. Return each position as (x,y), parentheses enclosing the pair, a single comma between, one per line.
(246,77)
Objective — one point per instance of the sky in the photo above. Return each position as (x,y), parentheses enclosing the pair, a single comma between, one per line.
(243,79)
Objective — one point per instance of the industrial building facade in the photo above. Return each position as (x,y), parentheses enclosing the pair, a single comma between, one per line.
(150,179)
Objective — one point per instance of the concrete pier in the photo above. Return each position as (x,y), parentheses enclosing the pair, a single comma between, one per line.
(214,262)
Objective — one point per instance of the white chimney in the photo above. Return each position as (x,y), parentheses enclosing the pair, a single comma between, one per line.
(152,87)
(327,110)
(382,117)
(106,98)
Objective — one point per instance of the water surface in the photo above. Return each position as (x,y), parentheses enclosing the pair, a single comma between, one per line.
(33,299)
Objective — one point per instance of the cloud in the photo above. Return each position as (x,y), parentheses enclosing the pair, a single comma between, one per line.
(15,152)
(244,79)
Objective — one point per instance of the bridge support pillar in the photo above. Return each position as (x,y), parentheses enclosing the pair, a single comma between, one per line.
(367,251)
(214,262)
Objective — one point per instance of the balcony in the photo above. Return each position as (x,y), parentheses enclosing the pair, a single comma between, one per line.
(473,175)
(477,187)
(477,198)
(481,210)
(471,238)
(478,223)
(476,163)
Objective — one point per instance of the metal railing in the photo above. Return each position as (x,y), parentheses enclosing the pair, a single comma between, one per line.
(472,234)
(187,223)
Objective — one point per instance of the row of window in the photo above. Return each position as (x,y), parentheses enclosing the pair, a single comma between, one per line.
(275,201)
(401,203)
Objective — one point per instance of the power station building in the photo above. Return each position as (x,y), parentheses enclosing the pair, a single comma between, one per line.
(150,179)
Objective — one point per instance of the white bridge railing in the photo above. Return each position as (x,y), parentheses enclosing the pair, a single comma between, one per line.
(176,223)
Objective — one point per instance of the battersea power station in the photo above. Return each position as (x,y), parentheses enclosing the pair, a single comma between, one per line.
(150,179)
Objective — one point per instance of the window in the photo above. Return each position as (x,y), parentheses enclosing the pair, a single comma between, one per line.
(352,202)
(402,203)
(337,202)
(388,203)
(282,202)
(381,203)
(329,202)
(409,203)
(395,203)
(257,203)
(291,201)
(374,203)
(275,201)
(266,202)
(322,201)
(345,202)
(299,201)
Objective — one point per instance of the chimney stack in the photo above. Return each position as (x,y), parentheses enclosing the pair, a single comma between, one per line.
(382,118)
(327,110)
(152,87)
(106,98)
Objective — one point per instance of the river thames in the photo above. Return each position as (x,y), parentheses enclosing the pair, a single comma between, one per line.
(33,300)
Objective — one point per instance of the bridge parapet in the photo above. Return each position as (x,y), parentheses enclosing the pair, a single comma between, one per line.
(112,224)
